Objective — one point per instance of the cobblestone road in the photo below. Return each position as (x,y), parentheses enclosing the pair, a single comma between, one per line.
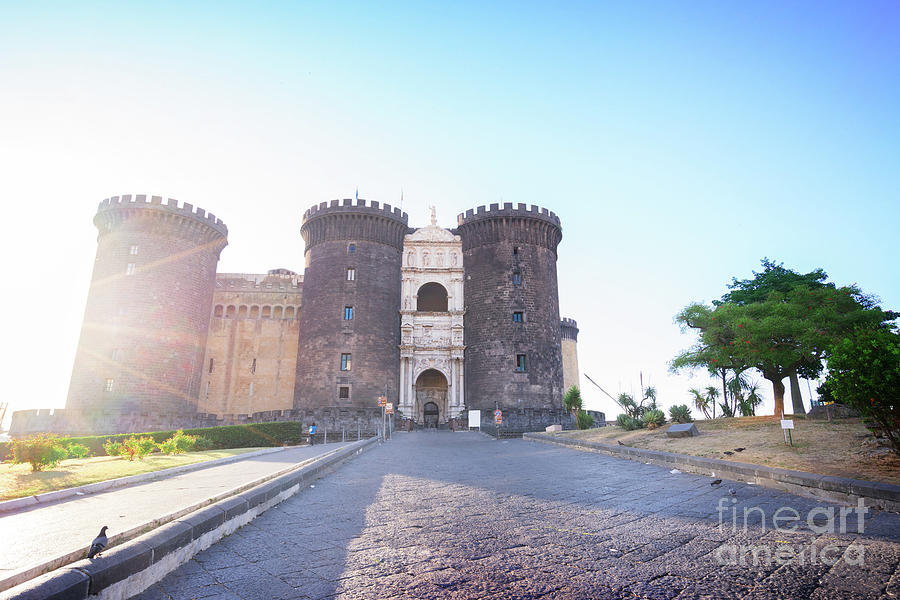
(440,515)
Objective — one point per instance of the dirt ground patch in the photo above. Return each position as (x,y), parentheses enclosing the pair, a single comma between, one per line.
(17,481)
(844,448)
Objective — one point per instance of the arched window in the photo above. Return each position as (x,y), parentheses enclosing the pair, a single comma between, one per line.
(276,313)
(289,312)
(242,312)
(432,297)
(254,312)
(229,312)
(218,311)
(267,312)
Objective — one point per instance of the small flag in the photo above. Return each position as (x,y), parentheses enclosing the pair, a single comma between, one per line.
(357,193)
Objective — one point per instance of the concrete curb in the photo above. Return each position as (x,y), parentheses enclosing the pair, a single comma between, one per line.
(129,568)
(836,489)
(102,486)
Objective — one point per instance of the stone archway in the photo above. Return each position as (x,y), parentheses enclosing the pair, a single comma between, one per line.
(431,393)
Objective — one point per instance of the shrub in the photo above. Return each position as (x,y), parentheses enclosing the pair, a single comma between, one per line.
(680,413)
(583,420)
(653,418)
(178,443)
(864,373)
(113,448)
(41,451)
(202,443)
(74,450)
(628,423)
(138,447)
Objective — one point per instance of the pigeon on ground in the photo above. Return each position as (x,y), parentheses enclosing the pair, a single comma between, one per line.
(739,449)
(620,442)
(99,543)
(732,491)
(728,452)
(716,482)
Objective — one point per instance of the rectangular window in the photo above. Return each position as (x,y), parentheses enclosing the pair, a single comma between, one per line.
(133,250)
(345,362)
(129,270)
(116,353)
(253,368)
(108,385)
(351,274)
(517,278)
(520,363)
(351,249)
(348,313)
(343,392)
(211,363)
(515,249)
(518,317)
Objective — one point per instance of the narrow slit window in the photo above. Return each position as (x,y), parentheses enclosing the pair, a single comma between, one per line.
(343,392)
(116,354)
(133,250)
(108,385)
(351,274)
(517,278)
(348,313)
(345,362)
(253,367)
(520,363)
(129,269)
(351,249)
(211,364)
(518,317)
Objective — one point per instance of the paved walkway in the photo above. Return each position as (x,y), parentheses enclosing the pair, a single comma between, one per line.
(441,515)
(35,535)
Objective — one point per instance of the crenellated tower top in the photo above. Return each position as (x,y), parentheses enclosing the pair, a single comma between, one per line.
(529,225)
(346,220)
(183,219)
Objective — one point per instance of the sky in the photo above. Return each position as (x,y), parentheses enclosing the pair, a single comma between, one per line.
(680,143)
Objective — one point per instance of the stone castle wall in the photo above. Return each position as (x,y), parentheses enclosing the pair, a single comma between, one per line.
(569,343)
(147,316)
(251,350)
(510,266)
(368,239)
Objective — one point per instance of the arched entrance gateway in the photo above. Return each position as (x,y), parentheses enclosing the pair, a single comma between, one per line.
(431,398)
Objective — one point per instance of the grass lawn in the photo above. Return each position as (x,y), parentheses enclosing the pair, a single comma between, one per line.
(844,448)
(18,480)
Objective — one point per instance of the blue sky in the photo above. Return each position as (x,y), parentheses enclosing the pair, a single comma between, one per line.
(679,142)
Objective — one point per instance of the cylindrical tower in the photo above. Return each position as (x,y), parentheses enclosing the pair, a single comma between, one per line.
(512,333)
(148,309)
(568,329)
(350,316)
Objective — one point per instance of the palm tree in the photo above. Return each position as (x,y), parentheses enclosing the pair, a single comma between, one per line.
(701,402)
(712,394)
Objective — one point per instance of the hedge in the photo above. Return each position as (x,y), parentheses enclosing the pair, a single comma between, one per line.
(282,433)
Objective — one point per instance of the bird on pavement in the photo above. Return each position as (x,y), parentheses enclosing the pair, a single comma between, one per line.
(716,482)
(620,443)
(728,452)
(99,543)
(739,449)
(732,491)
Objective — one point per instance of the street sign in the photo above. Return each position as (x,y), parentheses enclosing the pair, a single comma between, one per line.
(389,408)
(787,423)
(382,400)
(498,417)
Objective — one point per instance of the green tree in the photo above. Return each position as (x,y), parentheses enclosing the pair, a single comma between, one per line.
(864,372)
(701,402)
(572,400)
(680,413)
(784,333)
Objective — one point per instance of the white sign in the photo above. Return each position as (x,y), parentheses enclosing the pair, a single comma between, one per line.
(475,418)
(389,408)
(787,423)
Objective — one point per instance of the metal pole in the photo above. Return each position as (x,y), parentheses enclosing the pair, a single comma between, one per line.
(326,437)
(358,433)
(342,433)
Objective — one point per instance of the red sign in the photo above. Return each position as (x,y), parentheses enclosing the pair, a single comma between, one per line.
(498,417)
(382,400)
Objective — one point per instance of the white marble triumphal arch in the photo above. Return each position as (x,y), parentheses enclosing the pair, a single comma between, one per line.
(431,326)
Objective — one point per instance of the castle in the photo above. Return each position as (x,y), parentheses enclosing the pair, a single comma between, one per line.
(439,321)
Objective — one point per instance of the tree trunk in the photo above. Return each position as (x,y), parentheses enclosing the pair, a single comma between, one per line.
(778,392)
(796,398)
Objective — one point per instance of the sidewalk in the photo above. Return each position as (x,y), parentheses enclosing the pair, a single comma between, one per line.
(33,536)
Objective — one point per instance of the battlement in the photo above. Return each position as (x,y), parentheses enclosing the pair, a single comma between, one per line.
(568,329)
(172,206)
(288,281)
(347,205)
(521,211)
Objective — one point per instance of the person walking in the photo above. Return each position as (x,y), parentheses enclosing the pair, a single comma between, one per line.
(312,433)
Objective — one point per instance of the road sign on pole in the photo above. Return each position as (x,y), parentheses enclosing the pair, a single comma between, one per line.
(389,408)
(382,400)
(498,417)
